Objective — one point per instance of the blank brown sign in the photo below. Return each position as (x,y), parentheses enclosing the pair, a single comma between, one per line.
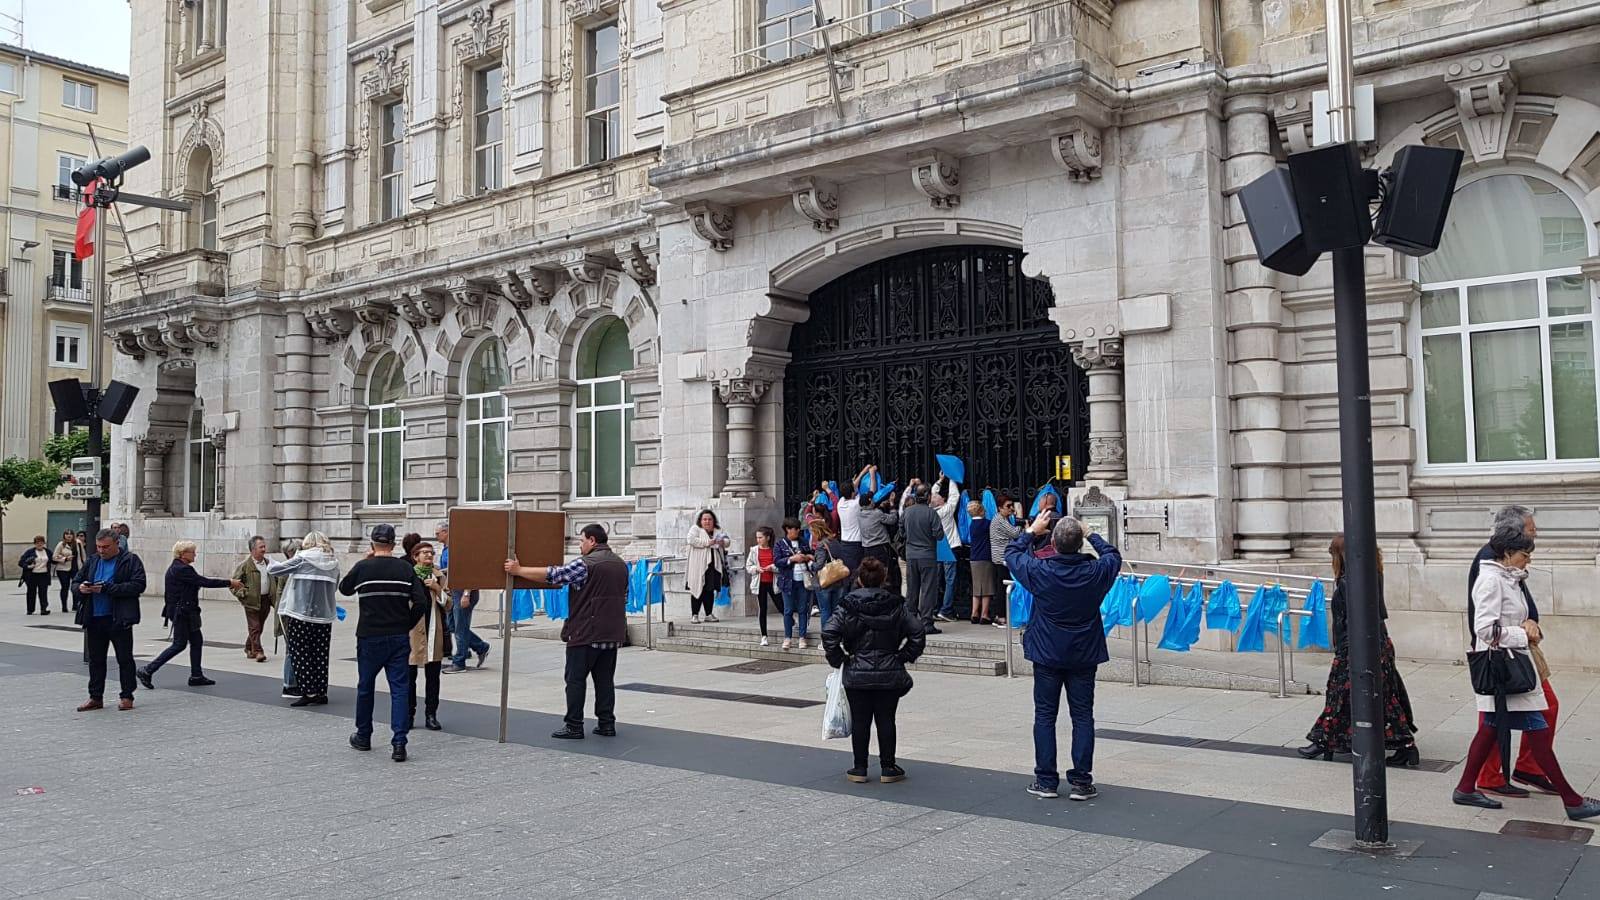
(478,546)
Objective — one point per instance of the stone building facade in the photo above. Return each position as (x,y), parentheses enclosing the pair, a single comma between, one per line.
(567,255)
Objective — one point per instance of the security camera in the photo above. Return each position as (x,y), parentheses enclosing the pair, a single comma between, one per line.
(111,168)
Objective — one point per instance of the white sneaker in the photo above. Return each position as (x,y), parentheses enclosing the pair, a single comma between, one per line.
(764,641)
(787,644)
(695,620)
(711,618)
(802,643)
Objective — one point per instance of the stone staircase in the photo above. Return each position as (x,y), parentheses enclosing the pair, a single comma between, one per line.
(962,657)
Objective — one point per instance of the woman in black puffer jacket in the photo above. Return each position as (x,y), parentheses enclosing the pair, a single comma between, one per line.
(872,635)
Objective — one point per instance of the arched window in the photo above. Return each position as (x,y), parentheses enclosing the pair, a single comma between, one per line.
(386,431)
(483,426)
(203,232)
(603,454)
(1507,330)
(202,469)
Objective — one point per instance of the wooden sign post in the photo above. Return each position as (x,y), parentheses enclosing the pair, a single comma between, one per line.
(480,542)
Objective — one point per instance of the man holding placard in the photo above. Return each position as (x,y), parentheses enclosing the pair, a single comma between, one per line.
(596,626)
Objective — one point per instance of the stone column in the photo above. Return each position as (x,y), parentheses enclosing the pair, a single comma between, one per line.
(1255,317)
(219,440)
(294,487)
(741,396)
(1101,361)
(153,459)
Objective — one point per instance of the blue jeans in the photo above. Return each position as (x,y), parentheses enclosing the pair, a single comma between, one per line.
(391,654)
(796,605)
(1047,685)
(948,571)
(826,598)
(461,629)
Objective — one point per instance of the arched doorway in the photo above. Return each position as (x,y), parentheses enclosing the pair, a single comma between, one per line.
(948,350)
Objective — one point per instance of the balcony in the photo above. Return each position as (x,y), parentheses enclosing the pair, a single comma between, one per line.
(66,192)
(68,290)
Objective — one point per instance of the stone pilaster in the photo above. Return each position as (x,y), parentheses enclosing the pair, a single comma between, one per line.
(153,461)
(1256,372)
(539,442)
(219,440)
(741,396)
(425,138)
(644,385)
(294,487)
(432,464)
(1101,361)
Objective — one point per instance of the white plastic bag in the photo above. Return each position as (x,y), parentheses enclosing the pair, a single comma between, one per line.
(835,714)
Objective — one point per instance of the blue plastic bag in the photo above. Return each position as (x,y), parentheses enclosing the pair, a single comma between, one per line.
(1251,636)
(724,598)
(339,612)
(882,492)
(1195,613)
(1277,601)
(963,519)
(1019,608)
(1050,489)
(1223,613)
(555,603)
(1117,606)
(990,508)
(1154,595)
(1174,632)
(638,578)
(1314,631)
(952,467)
(522,605)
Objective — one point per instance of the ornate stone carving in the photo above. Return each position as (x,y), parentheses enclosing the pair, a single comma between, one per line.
(127,343)
(741,470)
(203,132)
(390,76)
(153,458)
(420,306)
(526,285)
(465,291)
(331,323)
(938,176)
(1108,452)
(485,36)
(1077,147)
(1102,354)
(372,310)
(742,391)
(149,339)
(818,201)
(741,395)
(712,221)
(639,256)
(1486,90)
(583,267)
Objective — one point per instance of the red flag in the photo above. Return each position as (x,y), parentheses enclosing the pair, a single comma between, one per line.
(83,247)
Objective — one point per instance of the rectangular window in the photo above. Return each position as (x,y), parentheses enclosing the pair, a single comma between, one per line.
(887,14)
(208,217)
(602,115)
(487,130)
(66,271)
(392,159)
(69,346)
(783,29)
(66,164)
(8,77)
(77,95)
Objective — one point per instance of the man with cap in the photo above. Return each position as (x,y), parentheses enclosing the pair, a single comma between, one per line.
(392,601)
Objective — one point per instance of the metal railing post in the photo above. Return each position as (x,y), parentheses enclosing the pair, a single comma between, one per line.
(649,631)
(1011,671)
(1286,648)
(1133,640)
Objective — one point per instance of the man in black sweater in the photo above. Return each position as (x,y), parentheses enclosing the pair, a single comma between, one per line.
(392,601)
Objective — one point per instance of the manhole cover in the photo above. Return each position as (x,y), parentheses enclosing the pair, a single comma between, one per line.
(1547,830)
(759,667)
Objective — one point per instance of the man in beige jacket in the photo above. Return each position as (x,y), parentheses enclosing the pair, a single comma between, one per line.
(258,596)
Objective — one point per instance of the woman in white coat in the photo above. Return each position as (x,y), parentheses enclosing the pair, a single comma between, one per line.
(707,565)
(1500,619)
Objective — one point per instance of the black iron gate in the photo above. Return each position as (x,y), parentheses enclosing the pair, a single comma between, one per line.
(948,350)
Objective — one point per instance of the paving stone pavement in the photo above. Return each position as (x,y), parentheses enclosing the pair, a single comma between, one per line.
(195,796)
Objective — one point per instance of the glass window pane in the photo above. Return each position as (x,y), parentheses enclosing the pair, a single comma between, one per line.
(474,408)
(494,407)
(1502,302)
(1508,395)
(374,463)
(627,451)
(474,455)
(585,395)
(1444,399)
(584,455)
(608,393)
(391,418)
(1507,224)
(487,372)
(195,482)
(208,463)
(494,461)
(1441,308)
(1568,295)
(608,453)
(599,145)
(1572,392)
(391,468)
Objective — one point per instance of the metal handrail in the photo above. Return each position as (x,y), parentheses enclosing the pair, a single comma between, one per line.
(649,628)
(845,24)
(1208,568)
(1283,680)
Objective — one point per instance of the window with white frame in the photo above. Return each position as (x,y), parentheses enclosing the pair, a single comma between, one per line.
(77,94)
(392,159)
(888,14)
(386,431)
(603,452)
(484,420)
(66,164)
(779,23)
(1507,331)
(208,208)
(488,134)
(69,345)
(8,77)
(602,115)
(202,468)
(66,271)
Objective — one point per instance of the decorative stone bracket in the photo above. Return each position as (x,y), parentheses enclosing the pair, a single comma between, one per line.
(938,176)
(1078,148)
(713,222)
(331,323)
(818,201)
(180,333)
(1486,90)
(421,306)
(639,257)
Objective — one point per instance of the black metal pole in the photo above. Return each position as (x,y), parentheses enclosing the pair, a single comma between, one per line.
(1360,549)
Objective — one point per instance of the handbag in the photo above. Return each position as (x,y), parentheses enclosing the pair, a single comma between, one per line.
(833,573)
(1500,671)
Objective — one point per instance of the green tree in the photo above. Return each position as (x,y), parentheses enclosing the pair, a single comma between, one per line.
(62,448)
(28,478)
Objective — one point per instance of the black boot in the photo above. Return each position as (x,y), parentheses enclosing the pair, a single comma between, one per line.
(1408,757)
(431,722)
(1314,750)
(568,733)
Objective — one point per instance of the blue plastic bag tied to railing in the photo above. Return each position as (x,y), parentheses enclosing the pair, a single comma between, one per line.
(522,605)
(644,584)
(1223,612)
(1172,633)
(1277,601)
(1314,630)
(1117,606)
(1154,595)
(1195,612)
(554,602)
(1019,609)
(1261,618)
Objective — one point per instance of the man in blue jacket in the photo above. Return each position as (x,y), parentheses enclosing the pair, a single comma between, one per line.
(109,585)
(1065,641)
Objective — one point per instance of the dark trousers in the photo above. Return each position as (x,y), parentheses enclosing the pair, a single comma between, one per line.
(866,709)
(885,554)
(38,586)
(254,621)
(182,636)
(391,654)
(924,587)
(68,603)
(430,681)
(708,592)
(765,594)
(582,664)
(99,636)
(1048,683)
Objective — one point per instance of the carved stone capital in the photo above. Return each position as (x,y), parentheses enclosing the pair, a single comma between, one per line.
(1105,353)
(583,267)
(742,391)
(153,446)
(712,222)
(639,256)
(421,306)
(1486,90)
(1108,453)
(938,176)
(1077,147)
(818,201)
(741,474)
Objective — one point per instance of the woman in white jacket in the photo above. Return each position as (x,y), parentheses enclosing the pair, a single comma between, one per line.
(707,565)
(308,609)
(1500,619)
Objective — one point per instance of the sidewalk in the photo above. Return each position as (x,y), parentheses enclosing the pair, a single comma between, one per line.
(1150,736)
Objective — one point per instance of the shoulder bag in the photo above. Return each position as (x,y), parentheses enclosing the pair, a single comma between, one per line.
(1500,671)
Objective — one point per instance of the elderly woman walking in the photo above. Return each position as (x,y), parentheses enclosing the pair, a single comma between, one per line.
(707,566)
(1500,621)
(182,609)
(308,610)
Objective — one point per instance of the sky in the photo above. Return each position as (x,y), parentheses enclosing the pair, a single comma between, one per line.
(86,31)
